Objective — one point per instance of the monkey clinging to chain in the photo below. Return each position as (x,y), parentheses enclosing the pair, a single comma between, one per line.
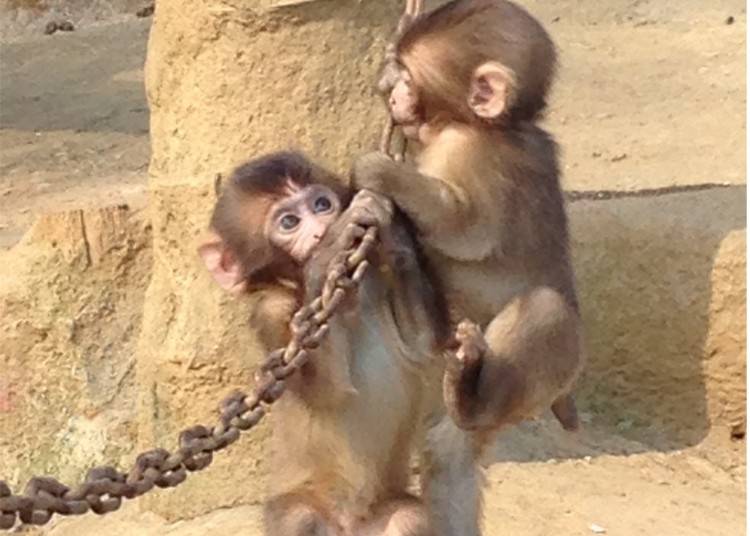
(344,429)
(487,205)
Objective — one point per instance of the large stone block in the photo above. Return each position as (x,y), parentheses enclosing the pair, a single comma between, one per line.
(662,284)
(67,342)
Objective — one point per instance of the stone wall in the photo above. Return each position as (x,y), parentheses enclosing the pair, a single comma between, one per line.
(67,342)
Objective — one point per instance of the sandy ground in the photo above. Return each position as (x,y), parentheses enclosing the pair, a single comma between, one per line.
(543,482)
(73,122)
(651,94)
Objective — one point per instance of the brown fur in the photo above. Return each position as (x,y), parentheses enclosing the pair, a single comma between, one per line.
(441,49)
(244,202)
(486,201)
(344,430)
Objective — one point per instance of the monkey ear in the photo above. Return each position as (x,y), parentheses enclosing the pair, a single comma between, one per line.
(490,89)
(223,264)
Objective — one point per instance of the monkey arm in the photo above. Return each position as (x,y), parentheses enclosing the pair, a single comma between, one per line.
(416,306)
(270,314)
(440,209)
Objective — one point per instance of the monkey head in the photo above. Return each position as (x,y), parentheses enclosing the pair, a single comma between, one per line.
(486,62)
(269,217)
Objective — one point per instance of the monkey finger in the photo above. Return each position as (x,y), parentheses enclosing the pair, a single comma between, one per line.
(370,208)
(354,230)
(472,344)
(362,216)
(352,233)
(360,254)
(368,197)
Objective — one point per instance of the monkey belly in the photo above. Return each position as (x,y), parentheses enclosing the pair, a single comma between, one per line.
(355,455)
(478,291)
(388,399)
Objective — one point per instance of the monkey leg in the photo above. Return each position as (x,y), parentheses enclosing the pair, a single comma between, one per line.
(401,517)
(452,479)
(294,514)
(526,361)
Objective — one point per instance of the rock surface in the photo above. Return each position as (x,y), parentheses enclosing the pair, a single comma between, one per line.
(68,339)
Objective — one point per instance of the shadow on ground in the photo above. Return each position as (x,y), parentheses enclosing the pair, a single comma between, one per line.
(662,288)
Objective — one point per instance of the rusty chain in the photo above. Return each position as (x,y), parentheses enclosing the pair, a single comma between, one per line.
(104,488)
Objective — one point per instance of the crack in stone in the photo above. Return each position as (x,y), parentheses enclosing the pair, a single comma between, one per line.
(605,195)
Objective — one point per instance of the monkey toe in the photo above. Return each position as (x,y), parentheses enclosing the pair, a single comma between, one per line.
(471,343)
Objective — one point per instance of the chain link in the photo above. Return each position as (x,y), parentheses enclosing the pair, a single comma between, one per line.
(104,488)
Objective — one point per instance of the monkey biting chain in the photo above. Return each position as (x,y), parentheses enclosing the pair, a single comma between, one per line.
(104,488)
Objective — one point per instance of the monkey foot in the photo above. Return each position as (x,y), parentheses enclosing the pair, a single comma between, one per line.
(463,368)
(471,343)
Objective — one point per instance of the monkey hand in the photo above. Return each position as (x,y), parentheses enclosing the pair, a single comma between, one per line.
(480,392)
(370,172)
(369,208)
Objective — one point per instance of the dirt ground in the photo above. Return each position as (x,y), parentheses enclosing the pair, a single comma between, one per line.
(650,94)
(73,119)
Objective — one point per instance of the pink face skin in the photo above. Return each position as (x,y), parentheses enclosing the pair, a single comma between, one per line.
(297,223)
(403,104)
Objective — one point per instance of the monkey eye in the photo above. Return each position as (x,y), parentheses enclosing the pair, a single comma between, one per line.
(289,221)
(322,204)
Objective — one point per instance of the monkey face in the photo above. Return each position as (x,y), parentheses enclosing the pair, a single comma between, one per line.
(404,104)
(297,222)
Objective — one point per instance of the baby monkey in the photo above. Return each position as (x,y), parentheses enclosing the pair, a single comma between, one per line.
(345,427)
(486,201)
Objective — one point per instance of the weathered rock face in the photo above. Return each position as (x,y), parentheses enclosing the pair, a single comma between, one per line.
(662,284)
(67,342)
(231,81)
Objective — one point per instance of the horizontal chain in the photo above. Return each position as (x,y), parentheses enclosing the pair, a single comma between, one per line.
(104,488)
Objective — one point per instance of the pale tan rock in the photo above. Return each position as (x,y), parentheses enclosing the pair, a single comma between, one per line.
(71,296)
(662,285)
